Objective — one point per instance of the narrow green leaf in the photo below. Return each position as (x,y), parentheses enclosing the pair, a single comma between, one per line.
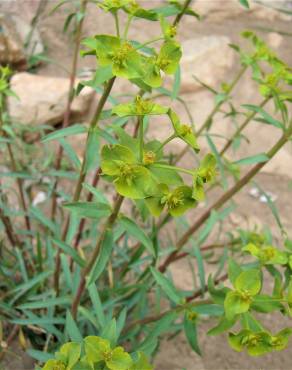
(258,158)
(89,209)
(97,305)
(191,333)
(244,3)
(71,328)
(266,117)
(166,285)
(176,84)
(134,230)
(40,355)
(104,256)
(41,218)
(201,269)
(68,131)
(51,302)
(92,150)
(69,251)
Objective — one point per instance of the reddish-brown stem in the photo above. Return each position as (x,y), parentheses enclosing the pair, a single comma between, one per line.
(224,198)
(66,118)
(82,175)
(248,119)
(10,339)
(208,121)
(20,187)
(88,199)
(85,272)
(11,234)
(153,318)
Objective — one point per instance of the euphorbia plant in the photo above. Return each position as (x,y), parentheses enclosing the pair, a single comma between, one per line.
(80,278)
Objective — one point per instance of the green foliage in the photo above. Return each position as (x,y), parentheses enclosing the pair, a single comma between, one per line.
(97,354)
(77,264)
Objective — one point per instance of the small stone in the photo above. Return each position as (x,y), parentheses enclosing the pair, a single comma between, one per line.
(14,32)
(275,40)
(42,99)
(208,58)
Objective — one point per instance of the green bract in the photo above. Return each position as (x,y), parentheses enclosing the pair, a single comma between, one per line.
(120,55)
(247,285)
(140,107)
(177,201)
(206,173)
(131,179)
(99,350)
(259,343)
(169,57)
(98,355)
(267,254)
(184,132)
(114,5)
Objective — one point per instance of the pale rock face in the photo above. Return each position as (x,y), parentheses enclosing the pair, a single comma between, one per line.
(13,35)
(209,58)
(42,100)
(217,10)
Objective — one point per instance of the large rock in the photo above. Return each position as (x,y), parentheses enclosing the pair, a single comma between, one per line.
(42,100)
(208,58)
(14,34)
(219,10)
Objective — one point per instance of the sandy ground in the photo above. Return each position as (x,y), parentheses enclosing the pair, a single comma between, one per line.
(176,354)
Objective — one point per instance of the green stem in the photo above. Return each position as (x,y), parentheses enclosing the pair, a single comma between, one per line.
(117,24)
(130,17)
(169,139)
(226,197)
(141,138)
(149,42)
(173,168)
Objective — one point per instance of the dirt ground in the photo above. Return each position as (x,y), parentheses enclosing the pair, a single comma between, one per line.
(276,178)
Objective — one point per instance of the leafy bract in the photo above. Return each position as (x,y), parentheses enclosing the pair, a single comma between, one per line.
(177,201)
(140,107)
(267,254)
(131,179)
(184,132)
(206,173)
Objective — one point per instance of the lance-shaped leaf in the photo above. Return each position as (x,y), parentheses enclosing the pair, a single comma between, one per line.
(131,179)
(184,132)
(140,107)
(267,254)
(169,56)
